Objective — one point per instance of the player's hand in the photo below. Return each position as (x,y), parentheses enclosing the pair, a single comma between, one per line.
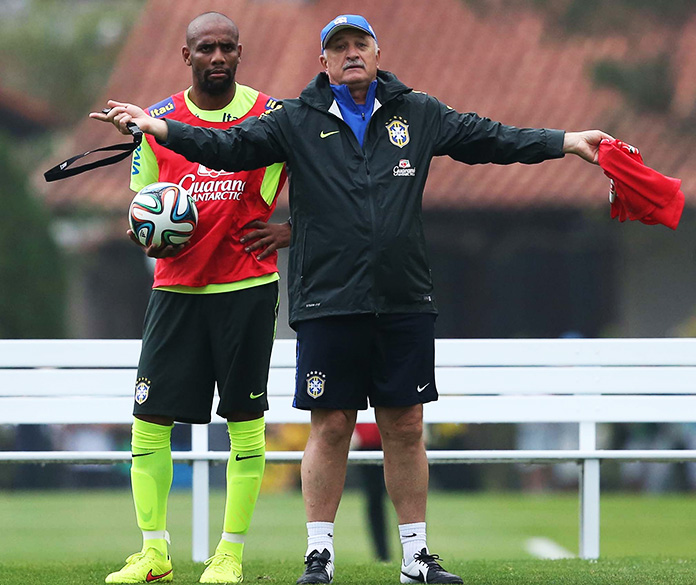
(120,114)
(157,251)
(267,237)
(585,144)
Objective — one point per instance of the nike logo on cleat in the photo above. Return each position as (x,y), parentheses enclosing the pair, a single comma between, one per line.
(150,577)
(420,578)
(254,396)
(238,458)
(421,388)
(325,134)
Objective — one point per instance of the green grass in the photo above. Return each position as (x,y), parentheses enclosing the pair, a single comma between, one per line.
(78,537)
(629,571)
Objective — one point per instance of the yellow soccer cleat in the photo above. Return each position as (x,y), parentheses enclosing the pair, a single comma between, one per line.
(222,568)
(147,566)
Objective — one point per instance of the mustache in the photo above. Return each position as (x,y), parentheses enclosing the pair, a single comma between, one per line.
(216,70)
(357,63)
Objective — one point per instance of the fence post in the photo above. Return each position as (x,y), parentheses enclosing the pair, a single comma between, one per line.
(589,494)
(200,494)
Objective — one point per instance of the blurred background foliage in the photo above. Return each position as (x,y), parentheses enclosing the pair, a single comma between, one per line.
(592,17)
(646,83)
(604,16)
(32,283)
(646,86)
(37,39)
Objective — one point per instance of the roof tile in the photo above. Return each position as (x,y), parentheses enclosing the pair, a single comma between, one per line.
(503,64)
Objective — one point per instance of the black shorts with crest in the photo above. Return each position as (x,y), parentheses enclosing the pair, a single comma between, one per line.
(344,362)
(191,342)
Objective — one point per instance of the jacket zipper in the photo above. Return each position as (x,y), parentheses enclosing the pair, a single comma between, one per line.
(373,221)
(375,308)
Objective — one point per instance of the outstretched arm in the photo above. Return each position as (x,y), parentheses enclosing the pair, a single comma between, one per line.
(585,144)
(121,114)
(252,144)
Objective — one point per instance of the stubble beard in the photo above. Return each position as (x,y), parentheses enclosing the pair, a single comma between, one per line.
(217,87)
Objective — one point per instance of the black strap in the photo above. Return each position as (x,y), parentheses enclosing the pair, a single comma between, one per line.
(62,171)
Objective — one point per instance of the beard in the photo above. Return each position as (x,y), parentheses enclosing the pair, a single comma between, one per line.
(216,86)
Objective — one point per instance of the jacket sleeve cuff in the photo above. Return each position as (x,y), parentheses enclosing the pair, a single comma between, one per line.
(174,132)
(554,143)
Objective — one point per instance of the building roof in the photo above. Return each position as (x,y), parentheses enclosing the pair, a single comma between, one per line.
(24,115)
(505,64)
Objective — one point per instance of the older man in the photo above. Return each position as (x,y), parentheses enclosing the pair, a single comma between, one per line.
(359,143)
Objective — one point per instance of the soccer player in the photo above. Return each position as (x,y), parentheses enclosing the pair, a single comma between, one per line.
(359,143)
(212,314)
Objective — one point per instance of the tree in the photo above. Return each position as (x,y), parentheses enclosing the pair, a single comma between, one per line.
(32,281)
(56,51)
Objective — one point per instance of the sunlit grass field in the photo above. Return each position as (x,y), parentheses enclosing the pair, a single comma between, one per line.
(79,536)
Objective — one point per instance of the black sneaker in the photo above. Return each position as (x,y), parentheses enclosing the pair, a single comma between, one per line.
(424,568)
(319,568)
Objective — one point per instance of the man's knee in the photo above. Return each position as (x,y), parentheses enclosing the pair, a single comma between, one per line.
(333,427)
(401,425)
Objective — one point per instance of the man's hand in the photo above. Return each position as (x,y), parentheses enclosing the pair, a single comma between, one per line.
(157,251)
(585,144)
(120,114)
(269,237)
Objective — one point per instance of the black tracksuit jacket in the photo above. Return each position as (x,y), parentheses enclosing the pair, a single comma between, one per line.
(357,232)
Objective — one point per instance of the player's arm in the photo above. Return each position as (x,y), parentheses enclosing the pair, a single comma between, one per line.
(144,172)
(267,237)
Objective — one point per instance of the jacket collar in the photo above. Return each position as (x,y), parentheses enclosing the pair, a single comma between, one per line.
(318,93)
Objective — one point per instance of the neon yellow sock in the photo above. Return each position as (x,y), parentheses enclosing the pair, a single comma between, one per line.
(244,474)
(151,479)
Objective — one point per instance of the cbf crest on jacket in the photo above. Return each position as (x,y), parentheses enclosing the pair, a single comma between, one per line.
(357,238)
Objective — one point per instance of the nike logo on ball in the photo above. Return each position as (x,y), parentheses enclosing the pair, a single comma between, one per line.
(421,388)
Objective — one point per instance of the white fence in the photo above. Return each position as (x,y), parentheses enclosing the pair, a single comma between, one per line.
(582,381)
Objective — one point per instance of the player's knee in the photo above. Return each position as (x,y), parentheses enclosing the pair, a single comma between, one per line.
(332,428)
(405,429)
(408,433)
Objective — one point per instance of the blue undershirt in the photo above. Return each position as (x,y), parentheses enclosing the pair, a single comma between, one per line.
(355,115)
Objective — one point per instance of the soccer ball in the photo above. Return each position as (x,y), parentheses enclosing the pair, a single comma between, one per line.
(162,214)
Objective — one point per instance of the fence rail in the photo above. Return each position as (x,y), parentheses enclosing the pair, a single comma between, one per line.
(581,381)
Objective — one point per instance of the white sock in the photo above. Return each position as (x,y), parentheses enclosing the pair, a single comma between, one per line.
(413,539)
(320,537)
(233,537)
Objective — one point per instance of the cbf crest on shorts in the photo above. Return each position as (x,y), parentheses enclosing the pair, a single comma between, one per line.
(315,384)
(398,132)
(142,390)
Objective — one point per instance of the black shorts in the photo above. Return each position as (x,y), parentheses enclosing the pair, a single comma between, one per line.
(193,341)
(344,361)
